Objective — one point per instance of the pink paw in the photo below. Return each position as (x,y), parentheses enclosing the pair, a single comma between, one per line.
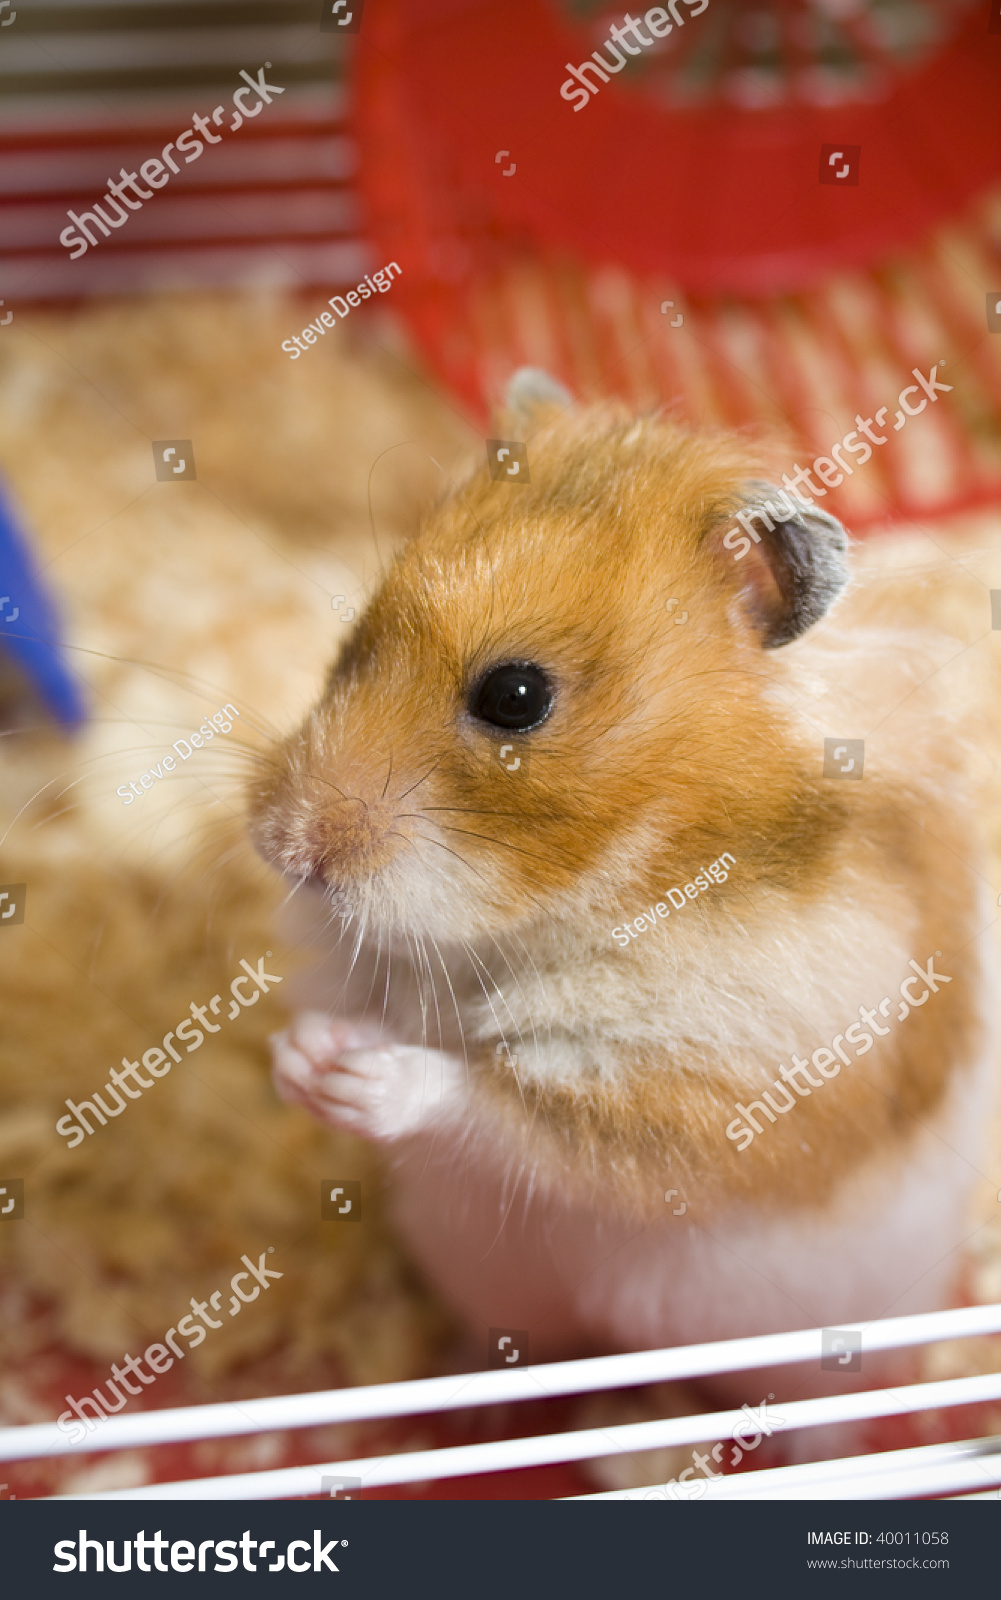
(349,1076)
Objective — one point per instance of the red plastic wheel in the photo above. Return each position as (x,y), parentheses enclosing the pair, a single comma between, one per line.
(701,160)
(697,182)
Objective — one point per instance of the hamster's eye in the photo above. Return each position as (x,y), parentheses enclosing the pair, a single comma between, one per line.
(516,696)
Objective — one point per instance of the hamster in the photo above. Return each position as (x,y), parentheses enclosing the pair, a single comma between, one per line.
(671,1032)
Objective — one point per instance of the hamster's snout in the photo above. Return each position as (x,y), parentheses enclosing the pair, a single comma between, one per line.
(313,832)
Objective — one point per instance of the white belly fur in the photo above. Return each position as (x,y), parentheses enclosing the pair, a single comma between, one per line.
(505,1253)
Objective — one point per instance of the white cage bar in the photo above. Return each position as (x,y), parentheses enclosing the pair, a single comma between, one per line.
(944,1469)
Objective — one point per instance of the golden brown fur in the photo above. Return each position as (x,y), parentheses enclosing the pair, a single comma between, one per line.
(667,746)
(214,579)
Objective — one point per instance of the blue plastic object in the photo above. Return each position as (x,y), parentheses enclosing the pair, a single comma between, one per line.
(29,626)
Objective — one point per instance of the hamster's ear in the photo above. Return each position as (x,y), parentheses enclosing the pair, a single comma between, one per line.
(533,397)
(792,559)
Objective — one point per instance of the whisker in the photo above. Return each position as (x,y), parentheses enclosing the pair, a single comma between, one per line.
(434,991)
(294,890)
(421,995)
(474,811)
(517,981)
(455,1002)
(501,843)
(389,974)
(468,864)
(473,958)
(417,785)
(172,674)
(375,972)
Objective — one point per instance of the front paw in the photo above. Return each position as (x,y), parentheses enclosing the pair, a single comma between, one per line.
(346,1075)
(306,1057)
